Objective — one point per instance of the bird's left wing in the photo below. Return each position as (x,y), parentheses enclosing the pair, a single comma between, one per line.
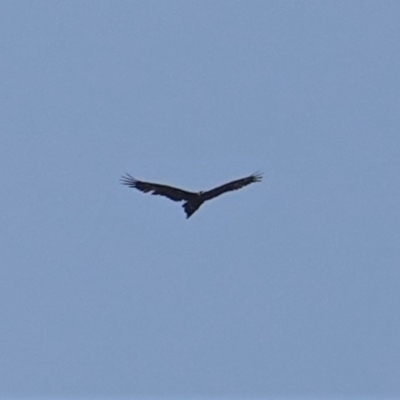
(172,193)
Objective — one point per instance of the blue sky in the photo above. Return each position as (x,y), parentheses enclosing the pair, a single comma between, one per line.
(288,288)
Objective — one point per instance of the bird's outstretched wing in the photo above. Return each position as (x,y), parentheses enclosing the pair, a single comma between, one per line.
(172,193)
(234,185)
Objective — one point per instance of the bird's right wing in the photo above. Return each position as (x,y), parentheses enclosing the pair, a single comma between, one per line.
(234,185)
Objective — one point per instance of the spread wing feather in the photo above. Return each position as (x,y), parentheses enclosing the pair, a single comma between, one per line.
(172,193)
(234,185)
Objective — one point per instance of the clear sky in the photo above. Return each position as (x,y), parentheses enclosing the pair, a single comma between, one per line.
(289,288)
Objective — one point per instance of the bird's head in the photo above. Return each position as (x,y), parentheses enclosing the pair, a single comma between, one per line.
(200,193)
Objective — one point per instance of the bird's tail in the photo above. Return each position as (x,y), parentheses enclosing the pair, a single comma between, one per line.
(191,207)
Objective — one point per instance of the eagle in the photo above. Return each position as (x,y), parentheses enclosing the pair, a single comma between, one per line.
(192,200)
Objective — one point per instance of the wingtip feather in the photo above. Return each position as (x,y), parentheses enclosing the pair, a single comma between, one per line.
(128,180)
(257,176)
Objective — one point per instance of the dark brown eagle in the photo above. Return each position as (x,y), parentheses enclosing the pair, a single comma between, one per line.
(192,200)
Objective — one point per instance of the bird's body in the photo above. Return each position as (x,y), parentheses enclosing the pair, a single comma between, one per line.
(192,200)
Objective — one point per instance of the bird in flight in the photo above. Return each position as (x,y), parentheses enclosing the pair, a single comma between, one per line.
(192,200)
